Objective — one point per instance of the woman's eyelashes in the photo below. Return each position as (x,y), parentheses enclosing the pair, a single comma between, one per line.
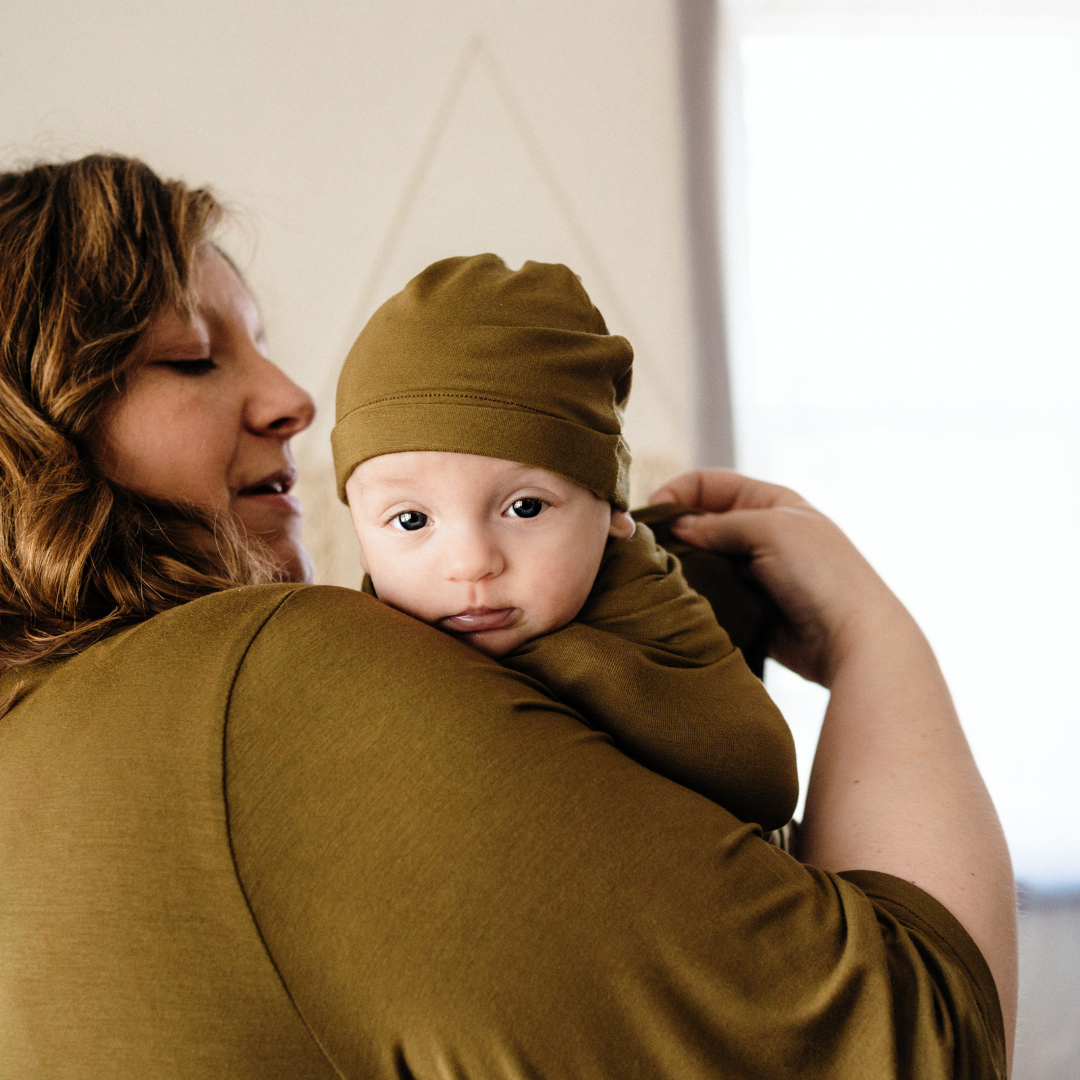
(409,520)
(526,508)
(198,366)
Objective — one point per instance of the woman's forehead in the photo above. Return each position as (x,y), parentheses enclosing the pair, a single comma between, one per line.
(220,294)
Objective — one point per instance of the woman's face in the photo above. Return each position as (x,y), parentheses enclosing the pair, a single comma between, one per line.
(207,418)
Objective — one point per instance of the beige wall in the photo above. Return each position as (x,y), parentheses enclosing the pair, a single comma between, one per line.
(360,141)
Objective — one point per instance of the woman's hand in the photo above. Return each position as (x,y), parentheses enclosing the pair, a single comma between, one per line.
(825,588)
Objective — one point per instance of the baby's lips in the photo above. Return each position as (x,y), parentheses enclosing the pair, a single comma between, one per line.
(477,619)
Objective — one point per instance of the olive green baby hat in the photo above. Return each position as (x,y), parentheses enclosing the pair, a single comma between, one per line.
(474,358)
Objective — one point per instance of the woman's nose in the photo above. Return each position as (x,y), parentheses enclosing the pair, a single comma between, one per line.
(279,407)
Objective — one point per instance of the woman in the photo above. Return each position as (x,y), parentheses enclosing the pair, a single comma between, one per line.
(285,831)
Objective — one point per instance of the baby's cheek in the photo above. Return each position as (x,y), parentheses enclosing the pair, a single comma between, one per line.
(404,593)
(548,617)
(566,606)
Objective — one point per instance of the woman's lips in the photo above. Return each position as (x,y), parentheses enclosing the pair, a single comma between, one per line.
(473,620)
(272,493)
(288,505)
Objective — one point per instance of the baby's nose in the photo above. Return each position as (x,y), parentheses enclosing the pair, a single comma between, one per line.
(474,558)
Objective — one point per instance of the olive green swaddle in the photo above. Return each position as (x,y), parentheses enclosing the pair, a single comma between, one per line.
(646,661)
(472,357)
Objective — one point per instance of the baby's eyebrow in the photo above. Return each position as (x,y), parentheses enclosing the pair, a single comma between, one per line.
(386,481)
(517,468)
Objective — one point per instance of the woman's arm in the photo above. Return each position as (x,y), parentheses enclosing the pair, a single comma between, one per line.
(894,786)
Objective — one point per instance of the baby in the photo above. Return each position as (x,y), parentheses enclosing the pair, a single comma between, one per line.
(478,446)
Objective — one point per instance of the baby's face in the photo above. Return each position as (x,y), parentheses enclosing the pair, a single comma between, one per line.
(491,551)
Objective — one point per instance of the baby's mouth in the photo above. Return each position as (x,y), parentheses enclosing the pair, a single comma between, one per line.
(473,620)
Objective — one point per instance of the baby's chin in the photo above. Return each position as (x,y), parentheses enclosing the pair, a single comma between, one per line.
(521,627)
(500,643)
(496,643)
(506,629)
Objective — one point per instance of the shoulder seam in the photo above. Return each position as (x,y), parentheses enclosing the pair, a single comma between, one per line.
(232,851)
(926,927)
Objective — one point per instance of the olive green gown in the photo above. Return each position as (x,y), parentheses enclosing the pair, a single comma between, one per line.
(287,832)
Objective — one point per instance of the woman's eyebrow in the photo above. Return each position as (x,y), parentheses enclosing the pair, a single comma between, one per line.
(196,344)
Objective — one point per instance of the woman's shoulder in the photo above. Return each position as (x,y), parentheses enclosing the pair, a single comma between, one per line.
(230,610)
(203,642)
(236,616)
(128,926)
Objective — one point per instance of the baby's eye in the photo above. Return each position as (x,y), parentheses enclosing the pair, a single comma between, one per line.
(526,508)
(410,520)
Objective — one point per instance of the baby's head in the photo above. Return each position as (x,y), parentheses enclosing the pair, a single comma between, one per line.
(478,445)
(492,551)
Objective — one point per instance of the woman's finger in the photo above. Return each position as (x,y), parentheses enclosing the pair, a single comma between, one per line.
(809,567)
(717,490)
(736,532)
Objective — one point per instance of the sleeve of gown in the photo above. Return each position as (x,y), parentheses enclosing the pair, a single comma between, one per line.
(456,878)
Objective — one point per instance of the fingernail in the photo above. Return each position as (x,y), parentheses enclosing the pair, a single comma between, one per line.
(682,524)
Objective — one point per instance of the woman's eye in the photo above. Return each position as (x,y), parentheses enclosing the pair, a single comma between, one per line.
(199,366)
(526,508)
(410,521)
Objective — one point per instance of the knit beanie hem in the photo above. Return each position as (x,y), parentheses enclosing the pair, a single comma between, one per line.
(597,461)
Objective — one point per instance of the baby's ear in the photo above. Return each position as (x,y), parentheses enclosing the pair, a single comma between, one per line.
(622,525)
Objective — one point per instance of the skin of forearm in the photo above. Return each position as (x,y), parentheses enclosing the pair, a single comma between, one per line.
(895,788)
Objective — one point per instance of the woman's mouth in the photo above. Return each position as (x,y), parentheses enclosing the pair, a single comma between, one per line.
(474,620)
(273,491)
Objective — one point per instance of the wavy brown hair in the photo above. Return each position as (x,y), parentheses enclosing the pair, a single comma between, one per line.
(90,252)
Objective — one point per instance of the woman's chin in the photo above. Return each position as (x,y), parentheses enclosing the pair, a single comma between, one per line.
(275,520)
(293,560)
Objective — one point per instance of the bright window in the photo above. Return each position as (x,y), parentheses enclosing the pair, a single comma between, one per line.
(902,237)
